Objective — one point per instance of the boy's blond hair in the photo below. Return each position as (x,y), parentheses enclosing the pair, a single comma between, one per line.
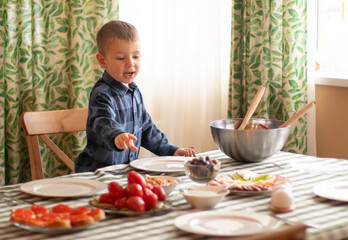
(115,30)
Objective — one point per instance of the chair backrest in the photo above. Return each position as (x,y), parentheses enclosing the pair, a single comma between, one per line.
(38,124)
(293,232)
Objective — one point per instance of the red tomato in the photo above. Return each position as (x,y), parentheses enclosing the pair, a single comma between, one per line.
(134,177)
(136,204)
(150,199)
(121,203)
(106,198)
(134,189)
(116,190)
(148,188)
(159,191)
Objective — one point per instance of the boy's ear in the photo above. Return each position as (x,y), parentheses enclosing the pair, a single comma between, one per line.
(101,60)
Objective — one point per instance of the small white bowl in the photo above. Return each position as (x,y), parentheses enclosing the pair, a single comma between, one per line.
(169,186)
(204,197)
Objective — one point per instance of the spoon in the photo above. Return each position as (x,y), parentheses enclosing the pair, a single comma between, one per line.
(298,114)
(252,107)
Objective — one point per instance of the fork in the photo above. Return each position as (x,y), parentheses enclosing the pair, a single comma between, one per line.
(287,221)
(10,201)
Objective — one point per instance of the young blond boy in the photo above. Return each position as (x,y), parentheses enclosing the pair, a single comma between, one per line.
(118,123)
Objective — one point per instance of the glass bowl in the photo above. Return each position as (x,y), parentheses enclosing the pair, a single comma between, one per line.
(202,173)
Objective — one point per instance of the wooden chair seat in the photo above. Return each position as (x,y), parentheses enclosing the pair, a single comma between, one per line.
(38,124)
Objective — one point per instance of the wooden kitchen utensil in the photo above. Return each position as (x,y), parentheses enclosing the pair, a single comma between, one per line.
(252,107)
(298,114)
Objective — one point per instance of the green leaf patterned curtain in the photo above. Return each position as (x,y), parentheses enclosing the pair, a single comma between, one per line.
(268,46)
(47,62)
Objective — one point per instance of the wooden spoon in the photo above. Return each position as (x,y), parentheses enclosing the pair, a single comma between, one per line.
(298,114)
(252,107)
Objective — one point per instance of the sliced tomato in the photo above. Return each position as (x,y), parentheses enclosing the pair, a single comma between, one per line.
(97,214)
(49,217)
(80,210)
(62,209)
(38,210)
(22,213)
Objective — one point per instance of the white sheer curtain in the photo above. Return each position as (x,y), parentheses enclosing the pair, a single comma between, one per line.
(185,65)
(311,38)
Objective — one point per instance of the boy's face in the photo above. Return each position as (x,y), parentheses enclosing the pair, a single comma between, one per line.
(121,60)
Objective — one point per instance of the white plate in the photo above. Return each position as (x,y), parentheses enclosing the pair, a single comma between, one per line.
(161,164)
(318,166)
(63,187)
(332,190)
(224,223)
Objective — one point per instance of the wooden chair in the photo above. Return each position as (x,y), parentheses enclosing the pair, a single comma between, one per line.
(293,232)
(38,124)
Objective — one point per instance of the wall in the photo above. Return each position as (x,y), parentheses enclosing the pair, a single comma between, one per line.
(331,121)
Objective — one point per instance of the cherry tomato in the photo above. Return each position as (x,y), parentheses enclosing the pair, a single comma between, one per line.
(134,189)
(136,204)
(121,203)
(150,199)
(116,190)
(106,198)
(134,177)
(147,189)
(159,191)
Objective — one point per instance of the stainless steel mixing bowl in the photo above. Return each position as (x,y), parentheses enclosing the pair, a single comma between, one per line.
(253,144)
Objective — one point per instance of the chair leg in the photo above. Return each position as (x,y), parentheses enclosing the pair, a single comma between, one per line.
(35,158)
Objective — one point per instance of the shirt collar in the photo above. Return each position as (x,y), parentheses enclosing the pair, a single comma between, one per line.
(122,89)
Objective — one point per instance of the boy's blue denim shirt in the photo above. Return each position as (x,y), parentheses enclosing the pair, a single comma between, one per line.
(114,109)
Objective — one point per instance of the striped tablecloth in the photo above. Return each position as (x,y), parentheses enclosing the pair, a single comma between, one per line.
(331,216)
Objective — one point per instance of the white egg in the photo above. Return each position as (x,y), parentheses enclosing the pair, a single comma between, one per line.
(282,198)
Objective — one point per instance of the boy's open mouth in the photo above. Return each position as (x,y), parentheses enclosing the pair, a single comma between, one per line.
(128,74)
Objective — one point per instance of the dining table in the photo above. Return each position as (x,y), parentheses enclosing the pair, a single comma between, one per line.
(326,211)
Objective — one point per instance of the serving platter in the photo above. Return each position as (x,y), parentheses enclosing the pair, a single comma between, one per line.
(63,187)
(248,182)
(161,208)
(52,230)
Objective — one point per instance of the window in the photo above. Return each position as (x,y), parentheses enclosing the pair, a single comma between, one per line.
(331,54)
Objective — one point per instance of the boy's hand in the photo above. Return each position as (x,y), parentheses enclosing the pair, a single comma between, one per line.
(188,152)
(125,141)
